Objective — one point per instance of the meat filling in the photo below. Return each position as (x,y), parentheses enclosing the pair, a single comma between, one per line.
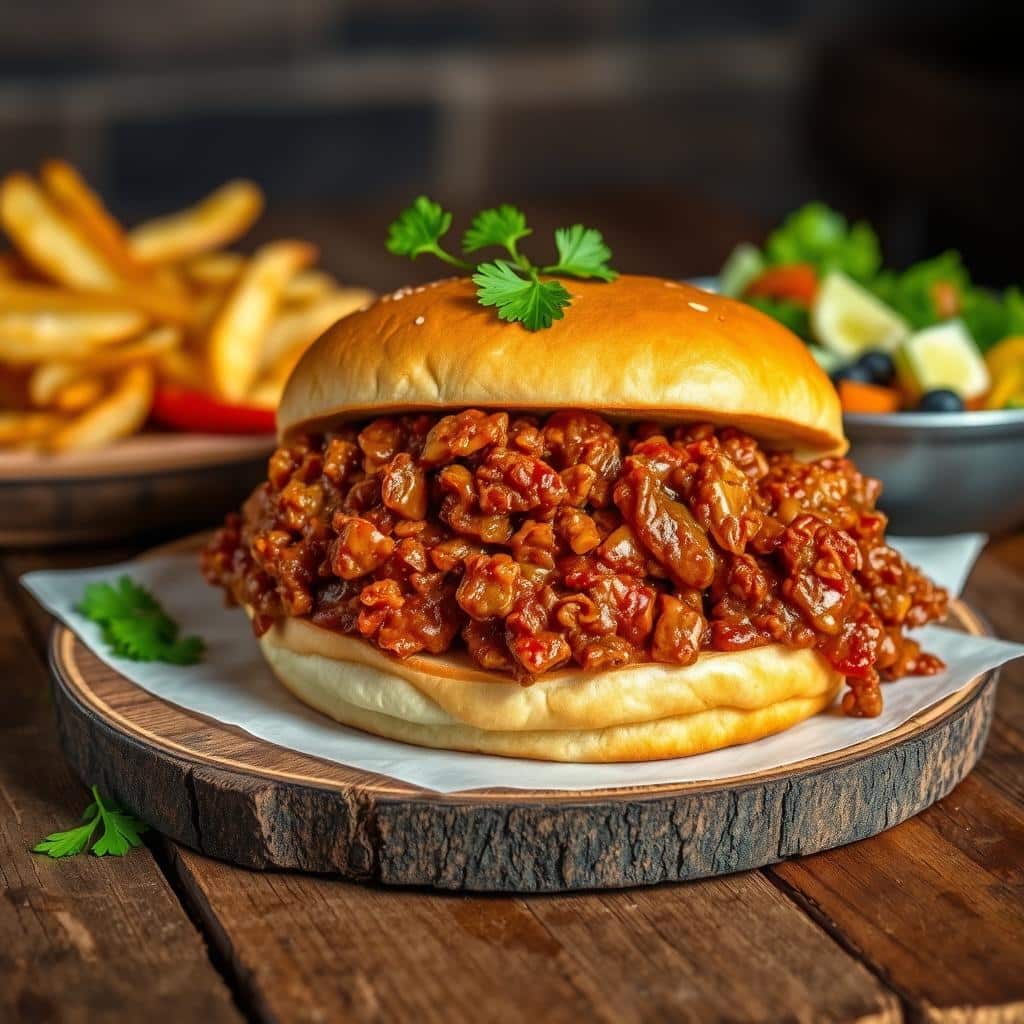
(537,543)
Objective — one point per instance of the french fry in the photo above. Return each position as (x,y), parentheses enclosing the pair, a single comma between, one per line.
(26,428)
(118,415)
(236,336)
(266,394)
(219,219)
(137,299)
(208,305)
(215,269)
(47,240)
(28,337)
(295,330)
(79,394)
(182,368)
(86,211)
(156,342)
(308,286)
(48,379)
(170,280)
(33,297)
(92,316)
(222,269)
(291,334)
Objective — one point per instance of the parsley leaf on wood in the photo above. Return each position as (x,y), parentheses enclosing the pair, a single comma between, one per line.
(135,626)
(513,287)
(502,226)
(534,302)
(119,833)
(582,253)
(66,844)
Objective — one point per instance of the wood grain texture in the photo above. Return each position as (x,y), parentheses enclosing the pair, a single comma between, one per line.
(308,948)
(261,806)
(941,922)
(997,587)
(85,940)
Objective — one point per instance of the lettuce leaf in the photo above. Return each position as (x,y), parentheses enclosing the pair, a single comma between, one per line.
(818,235)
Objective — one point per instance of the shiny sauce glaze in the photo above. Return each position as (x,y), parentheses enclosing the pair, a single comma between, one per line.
(536,543)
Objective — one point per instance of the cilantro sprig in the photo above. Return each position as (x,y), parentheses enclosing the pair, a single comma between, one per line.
(518,289)
(120,832)
(134,624)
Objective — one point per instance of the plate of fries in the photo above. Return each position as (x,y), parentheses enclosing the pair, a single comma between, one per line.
(153,349)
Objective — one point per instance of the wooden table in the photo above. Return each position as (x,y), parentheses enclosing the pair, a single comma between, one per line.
(923,922)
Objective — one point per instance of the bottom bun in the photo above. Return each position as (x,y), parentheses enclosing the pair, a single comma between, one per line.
(636,713)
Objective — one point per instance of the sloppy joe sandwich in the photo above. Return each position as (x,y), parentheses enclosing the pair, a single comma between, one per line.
(632,535)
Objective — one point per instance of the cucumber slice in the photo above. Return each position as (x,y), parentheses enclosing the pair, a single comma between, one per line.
(744,264)
(943,356)
(848,320)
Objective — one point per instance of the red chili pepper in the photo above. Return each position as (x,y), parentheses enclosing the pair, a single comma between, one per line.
(797,282)
(183,409)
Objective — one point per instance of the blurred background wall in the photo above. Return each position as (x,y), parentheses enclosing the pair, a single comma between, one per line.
(908,113)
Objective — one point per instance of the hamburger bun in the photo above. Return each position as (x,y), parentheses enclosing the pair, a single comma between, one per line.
(637,713)
(639,348)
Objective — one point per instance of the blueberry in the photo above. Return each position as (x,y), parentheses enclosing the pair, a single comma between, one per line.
(941,400)
(854,372)
(878,365)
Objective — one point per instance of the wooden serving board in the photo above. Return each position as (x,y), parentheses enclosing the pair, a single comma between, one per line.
(143,484)
(241,799)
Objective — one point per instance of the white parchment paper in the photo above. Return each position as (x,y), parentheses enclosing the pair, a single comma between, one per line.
(234,686)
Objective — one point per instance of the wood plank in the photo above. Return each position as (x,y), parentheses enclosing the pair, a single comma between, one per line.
(723,949)
(1003,761)
(83,939)
(941,921)
(985,825)
(996,589)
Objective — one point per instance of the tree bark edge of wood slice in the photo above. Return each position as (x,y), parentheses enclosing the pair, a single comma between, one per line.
(240,799)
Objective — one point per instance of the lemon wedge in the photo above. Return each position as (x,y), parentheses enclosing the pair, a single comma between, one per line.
(848,320)
(943,356)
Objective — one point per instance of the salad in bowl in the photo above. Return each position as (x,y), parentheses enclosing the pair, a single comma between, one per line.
(925,339)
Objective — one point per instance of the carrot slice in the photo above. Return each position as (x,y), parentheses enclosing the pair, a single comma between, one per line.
(857,397)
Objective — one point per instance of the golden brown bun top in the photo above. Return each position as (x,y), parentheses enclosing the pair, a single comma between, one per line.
(639,348)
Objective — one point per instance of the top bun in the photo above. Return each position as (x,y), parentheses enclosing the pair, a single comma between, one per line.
(638,348)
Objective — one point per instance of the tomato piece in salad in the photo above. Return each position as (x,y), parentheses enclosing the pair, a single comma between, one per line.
(797,282)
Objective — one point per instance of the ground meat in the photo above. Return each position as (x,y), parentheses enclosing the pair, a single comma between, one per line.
(535,543)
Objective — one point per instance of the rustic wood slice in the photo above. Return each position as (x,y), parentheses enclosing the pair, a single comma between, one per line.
(241,799)
(146,483)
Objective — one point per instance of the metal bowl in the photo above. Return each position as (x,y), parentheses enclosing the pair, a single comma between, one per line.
(948,472)
(944,472)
